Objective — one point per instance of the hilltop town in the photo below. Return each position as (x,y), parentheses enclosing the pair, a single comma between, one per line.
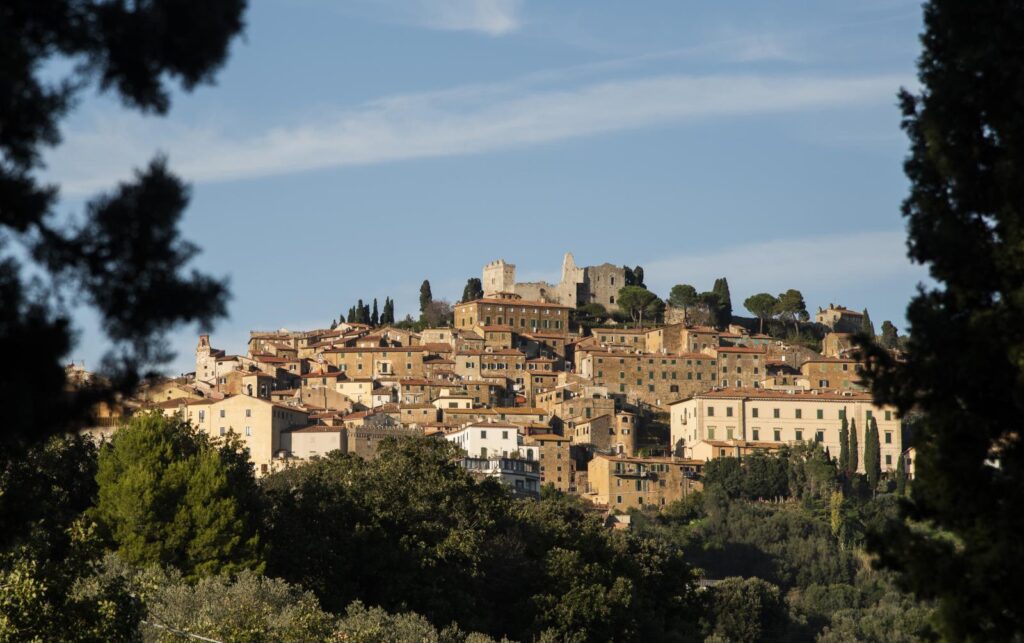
(544,384)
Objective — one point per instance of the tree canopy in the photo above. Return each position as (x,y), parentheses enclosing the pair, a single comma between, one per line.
(637,302)
(963,369)
(763,306)
(792,307)
(169,495)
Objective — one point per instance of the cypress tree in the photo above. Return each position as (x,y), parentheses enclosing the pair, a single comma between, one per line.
(901,477)
(844,446)
(866,326)
(638,276)
(723,312)
(854,448)
(366,314)
(389,311)
(351,315)
(872,454)
(426,297)
(374,316)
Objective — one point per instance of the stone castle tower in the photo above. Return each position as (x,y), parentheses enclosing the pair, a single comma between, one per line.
(206,361)
(567,292)
(498,276)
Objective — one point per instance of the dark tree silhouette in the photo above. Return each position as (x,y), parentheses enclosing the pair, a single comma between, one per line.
(474,290)
(125,258)
(963,369)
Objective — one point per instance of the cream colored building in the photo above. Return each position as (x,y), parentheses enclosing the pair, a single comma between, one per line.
(313,441)
(744,417)
(256,421)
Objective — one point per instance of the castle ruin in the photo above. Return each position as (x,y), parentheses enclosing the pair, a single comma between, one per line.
(579,286)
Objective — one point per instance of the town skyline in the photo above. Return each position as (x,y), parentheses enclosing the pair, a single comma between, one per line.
(743,138)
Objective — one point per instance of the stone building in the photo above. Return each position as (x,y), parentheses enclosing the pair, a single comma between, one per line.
(650,378)
(839,318)
(623,483)
(591,284)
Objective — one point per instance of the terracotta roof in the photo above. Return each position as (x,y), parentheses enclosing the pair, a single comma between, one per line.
(769,394)
(376,349)
(648,460)
(548,437)
(316,428)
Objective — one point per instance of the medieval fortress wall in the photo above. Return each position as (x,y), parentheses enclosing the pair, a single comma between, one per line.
(590,284)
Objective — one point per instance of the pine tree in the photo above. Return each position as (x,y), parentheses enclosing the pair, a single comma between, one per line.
(854,448)
(374,316)
(901,477)
(844,446)
(872,454)
(723,312)
(866,326)
(426,297)
(169,494)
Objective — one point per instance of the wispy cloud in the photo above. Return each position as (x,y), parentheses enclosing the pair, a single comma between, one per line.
(492,17)
(448,123)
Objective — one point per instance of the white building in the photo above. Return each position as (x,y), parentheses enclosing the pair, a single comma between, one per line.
(521,476)
(493,439)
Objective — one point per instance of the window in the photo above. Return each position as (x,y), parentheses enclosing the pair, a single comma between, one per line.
(755,434)
(819,436)
(778,435)
(248,430)
(248,413)
(728,434)
(888,460)
(888,415)
(799,414)
(888,437)
(711,411)
(799,435)
(775,413)
(711,433)
(202,415)
(821,414)
(483,435)
(504,435)
(753,413)
(728,411)
(222,412)
(222,430)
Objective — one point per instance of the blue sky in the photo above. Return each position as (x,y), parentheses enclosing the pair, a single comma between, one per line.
(352,149)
